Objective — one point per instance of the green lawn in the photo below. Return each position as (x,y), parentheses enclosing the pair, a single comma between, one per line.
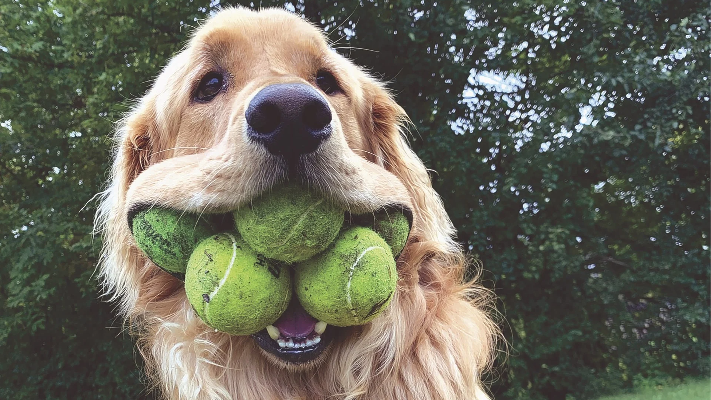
(698,390)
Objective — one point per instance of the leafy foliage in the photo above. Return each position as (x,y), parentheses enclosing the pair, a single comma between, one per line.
(598,233)
(569,139)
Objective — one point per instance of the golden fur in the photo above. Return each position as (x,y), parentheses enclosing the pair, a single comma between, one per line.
(435,339)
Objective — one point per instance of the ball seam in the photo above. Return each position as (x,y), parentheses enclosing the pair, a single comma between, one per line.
(296,224)
(350,278)
(227,272)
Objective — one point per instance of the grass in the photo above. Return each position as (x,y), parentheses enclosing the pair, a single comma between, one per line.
(694,390)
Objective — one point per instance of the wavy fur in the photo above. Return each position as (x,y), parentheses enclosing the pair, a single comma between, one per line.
(433,342)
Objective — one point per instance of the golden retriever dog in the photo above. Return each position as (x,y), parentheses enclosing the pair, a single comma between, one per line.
(257,99)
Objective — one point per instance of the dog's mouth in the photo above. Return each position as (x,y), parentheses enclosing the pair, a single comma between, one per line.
(296,338)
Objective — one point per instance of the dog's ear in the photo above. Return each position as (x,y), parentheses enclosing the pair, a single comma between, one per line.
(135,145)
(434,263)
(390,149)
(385,119)
(139,142)
(142,137)
(120,263)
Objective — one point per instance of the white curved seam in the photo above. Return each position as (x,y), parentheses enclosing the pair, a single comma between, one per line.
(350,277)
(296,224)
(227,272)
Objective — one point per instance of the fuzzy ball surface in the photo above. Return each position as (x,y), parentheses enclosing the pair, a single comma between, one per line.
(168,237)
(351,282)
(232,288)
(392,225)
(289,224)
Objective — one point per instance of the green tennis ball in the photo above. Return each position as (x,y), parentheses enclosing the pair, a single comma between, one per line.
(168,237)
(232,288)
(289,224)
(351,282)
(393,226)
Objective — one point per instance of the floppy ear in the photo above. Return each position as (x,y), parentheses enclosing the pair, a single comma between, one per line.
(143,136)
(132,154)
(391,151)
(135,147)
(437,301)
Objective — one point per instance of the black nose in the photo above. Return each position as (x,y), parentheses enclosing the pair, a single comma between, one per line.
(289,119)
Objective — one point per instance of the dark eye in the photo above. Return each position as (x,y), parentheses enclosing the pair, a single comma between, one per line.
(210,85)
(327,82)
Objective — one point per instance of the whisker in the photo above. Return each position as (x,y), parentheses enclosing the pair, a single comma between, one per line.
(338,40)
(381,158)
(173,148)
(209,201)
(356,48)
(212,179)
(335,182)
(343,22)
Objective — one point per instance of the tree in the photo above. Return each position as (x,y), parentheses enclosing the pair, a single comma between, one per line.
(67,72)
(593,216)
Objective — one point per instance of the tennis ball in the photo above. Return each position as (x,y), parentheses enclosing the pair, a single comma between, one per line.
(168,237)
(289,224)
(351,282)
(393,226)
(232,288)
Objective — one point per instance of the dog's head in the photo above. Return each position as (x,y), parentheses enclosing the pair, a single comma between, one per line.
(253,101)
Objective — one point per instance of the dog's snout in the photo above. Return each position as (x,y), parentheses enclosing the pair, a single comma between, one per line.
(289,119)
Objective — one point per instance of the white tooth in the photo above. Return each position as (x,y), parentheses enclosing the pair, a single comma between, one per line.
(299,345)
(320,327)
(309,342)
(290,344)
(317,339)
(281,342)
(273,332)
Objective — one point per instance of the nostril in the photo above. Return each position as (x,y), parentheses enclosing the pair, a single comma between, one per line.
(264,117)
(288,119)
(316,115)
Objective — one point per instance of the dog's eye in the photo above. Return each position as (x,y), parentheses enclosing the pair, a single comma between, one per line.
(327,82)
(210,85)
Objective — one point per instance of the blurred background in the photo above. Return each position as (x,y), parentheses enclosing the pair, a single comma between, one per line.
(568,139)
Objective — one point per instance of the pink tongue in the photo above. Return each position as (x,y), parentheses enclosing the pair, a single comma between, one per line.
(295,322)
